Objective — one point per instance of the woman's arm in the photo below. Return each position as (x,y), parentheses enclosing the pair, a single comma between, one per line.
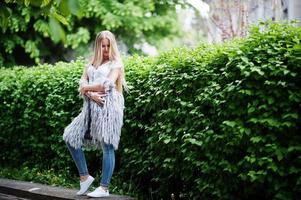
(83,80)
(93,88)
(113,75)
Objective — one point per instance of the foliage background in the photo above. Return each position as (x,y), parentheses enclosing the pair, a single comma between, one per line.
(46,31)
(216,122)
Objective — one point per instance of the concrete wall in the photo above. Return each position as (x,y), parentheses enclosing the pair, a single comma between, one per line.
(294,10)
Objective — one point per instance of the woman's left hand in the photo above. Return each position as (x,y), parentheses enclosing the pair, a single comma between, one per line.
(98,97)
(83,90)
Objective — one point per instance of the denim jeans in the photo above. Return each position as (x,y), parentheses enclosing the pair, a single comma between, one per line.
(108,162)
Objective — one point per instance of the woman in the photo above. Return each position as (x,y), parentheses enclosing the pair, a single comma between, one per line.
(100,121)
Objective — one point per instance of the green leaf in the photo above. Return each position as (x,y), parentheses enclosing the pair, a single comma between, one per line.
(26,2)
(60,18)
(57,32)
(279,154)
(251,109)
(256,139)
(229,123)
(74,7)
(194,141)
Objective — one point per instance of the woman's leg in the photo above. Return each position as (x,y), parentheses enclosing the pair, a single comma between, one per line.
(80,161)
(108,164)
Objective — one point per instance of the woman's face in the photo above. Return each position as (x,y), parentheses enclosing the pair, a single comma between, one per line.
(105,45)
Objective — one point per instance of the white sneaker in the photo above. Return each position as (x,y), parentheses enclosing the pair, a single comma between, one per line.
(85,185)
(99,192)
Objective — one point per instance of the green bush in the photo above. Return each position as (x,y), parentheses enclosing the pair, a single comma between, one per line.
(216,122)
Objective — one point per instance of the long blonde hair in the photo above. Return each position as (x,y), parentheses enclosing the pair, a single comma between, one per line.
(114,55)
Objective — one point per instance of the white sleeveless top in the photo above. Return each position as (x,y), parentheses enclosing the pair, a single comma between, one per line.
(100,73)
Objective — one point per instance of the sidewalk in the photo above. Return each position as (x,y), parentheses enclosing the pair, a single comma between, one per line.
(37,191)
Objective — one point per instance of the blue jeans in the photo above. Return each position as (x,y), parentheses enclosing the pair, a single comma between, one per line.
(108,162)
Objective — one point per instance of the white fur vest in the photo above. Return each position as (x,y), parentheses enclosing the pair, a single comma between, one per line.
(106,121)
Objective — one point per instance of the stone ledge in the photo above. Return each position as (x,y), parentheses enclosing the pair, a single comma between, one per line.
(44,192)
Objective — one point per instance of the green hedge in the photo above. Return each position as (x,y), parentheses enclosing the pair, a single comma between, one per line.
(216,122)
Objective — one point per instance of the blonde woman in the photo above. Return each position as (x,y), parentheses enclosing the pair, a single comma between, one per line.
(100,121)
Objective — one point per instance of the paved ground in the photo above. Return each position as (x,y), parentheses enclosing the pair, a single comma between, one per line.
(21,190)
(10,197)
